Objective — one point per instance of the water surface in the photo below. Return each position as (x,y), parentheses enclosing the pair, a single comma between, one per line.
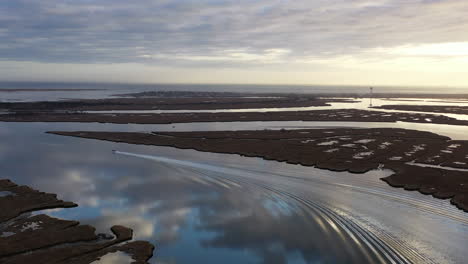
(217,208)
(108,89)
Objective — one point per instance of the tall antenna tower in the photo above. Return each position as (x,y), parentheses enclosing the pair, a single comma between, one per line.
(371,94)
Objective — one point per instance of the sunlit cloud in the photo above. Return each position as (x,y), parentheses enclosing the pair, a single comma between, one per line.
(432,49)
(241,55)
(199,41)
(114,258)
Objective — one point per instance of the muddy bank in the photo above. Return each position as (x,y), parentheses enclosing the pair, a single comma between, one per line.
(462,110)
(353,150)
(345,115)
(168,103)
(44,239)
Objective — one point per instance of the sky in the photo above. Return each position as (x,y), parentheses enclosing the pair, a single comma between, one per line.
(334,42)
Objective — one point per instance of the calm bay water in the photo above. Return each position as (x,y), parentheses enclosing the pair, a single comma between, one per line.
(111,89)
(214,208)
(190,215)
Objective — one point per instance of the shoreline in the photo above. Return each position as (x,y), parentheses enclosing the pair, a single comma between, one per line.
(206,102)
(44,239)
(338,115)
(364,150)
(461,110)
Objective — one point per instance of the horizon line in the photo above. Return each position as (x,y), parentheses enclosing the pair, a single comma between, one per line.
(221,84)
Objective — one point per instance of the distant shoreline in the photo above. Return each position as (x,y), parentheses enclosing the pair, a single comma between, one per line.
(381,95)
(335,90)
(48,90)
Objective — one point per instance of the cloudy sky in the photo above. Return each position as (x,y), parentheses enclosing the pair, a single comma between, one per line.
(379,42)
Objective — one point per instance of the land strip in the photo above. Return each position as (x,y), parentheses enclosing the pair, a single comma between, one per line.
(364,94)
(462,110)
(168,103)
(341,115)
(43,239)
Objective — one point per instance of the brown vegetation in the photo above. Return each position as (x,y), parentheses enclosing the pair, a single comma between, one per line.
(43,239)
(168,103)
(342,115)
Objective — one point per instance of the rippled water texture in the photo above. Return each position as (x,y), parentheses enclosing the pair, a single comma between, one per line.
(214,208)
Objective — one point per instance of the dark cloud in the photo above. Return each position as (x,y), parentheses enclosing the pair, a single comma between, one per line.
(205,32)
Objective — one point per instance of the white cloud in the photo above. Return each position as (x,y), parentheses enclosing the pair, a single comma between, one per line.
(114,258)
(239,55)
(187,41)
(433,49)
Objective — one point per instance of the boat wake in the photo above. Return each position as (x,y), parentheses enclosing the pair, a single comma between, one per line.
(360,208)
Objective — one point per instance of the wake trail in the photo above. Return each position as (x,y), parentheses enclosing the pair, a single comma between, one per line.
(381,243)
(428,205)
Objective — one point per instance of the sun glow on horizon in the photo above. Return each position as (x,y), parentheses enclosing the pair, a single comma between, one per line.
(334,42)
(431,49)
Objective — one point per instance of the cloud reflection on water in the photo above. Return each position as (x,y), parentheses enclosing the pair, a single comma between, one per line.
(187,213)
